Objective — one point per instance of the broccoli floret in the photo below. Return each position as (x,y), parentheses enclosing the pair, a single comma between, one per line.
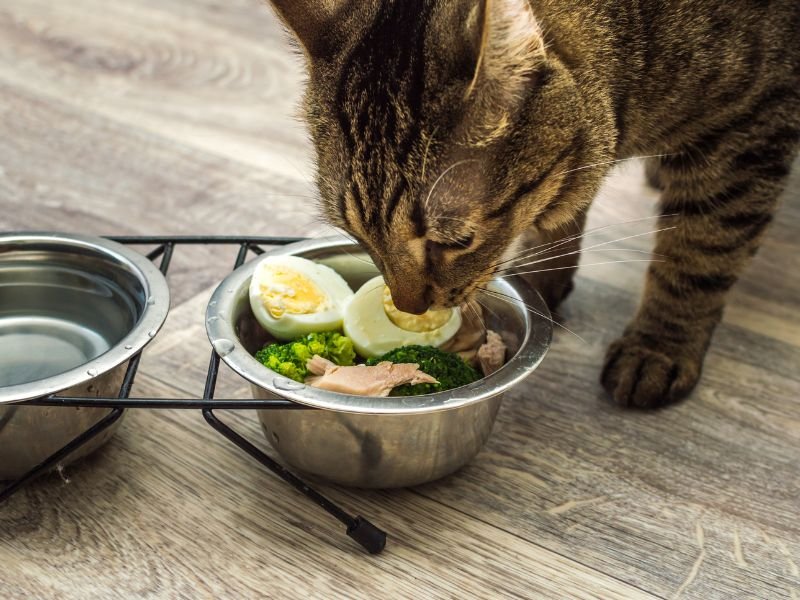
(290,359)
(449,369)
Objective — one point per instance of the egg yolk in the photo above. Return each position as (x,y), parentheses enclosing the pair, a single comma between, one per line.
(290,292)
(427,321)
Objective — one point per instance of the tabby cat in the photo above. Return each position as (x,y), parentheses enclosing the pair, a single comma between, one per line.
(450,132)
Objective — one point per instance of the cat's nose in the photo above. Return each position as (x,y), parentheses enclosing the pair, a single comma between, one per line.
(412,302)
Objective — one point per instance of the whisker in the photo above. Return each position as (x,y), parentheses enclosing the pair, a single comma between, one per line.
(358,258)
(303,174)
(634,250)
(487,307)
(609,262)
(477,315)
(526,253)
(373,289)
(596,246)
(511,299)
(588,250)
(349,238)
(612,162)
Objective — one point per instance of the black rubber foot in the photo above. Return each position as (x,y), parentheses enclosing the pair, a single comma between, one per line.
(366,534)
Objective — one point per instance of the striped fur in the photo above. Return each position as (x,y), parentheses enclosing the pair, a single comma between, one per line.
(446,132)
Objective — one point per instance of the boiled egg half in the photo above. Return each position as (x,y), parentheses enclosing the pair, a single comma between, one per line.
(376,326)
(292,296)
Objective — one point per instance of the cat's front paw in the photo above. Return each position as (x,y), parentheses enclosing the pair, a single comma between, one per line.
(639,373)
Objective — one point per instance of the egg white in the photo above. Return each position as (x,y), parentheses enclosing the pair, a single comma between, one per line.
(289,326)
(374,334)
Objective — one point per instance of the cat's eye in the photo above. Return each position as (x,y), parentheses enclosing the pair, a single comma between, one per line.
(460,242)
(464,241)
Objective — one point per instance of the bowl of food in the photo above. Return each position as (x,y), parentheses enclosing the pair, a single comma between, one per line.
(73,311)
(402,399)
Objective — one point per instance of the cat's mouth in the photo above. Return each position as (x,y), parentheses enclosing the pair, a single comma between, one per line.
(422,305)
(470,293)
(412,303)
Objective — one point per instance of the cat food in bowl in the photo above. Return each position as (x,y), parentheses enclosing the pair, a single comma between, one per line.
(369,441)
(73,311)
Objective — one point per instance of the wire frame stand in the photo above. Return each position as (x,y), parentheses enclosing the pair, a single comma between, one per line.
(371,538)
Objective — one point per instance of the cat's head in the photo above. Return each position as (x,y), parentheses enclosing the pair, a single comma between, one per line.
(443,130)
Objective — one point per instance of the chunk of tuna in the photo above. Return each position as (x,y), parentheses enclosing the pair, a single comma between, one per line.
(492,354)
(361,380)
(317,365)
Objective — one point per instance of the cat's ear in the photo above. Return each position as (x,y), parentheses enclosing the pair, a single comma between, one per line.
(510,44)
(456,30)
(310,20)
(506,50)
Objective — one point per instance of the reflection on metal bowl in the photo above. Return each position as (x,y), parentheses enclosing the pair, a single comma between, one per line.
(73,311)
(376,442)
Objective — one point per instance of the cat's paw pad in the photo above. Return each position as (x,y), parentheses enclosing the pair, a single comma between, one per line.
(637,375)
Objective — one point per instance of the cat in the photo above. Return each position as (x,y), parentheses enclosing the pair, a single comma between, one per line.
(450,133)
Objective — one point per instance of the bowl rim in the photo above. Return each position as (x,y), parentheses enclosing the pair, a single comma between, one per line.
(150,322)
(220,331)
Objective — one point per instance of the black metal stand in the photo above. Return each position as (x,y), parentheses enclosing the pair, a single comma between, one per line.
(361,530)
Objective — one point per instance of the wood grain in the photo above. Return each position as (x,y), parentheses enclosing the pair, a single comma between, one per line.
(174,70)
(234,531)
(178,117)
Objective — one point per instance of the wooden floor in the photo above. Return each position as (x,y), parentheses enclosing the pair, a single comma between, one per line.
(177,116)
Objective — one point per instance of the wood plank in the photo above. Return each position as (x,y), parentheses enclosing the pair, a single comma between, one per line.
(168,72)
(235,531)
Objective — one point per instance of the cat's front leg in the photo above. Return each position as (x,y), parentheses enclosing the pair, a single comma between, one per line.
(552,277)
(717,224)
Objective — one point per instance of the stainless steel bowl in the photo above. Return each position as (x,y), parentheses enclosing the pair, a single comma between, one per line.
(73,311)
(376,442)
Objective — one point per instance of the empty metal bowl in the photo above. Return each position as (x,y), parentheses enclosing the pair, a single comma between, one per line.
(73,311)
(376,442)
